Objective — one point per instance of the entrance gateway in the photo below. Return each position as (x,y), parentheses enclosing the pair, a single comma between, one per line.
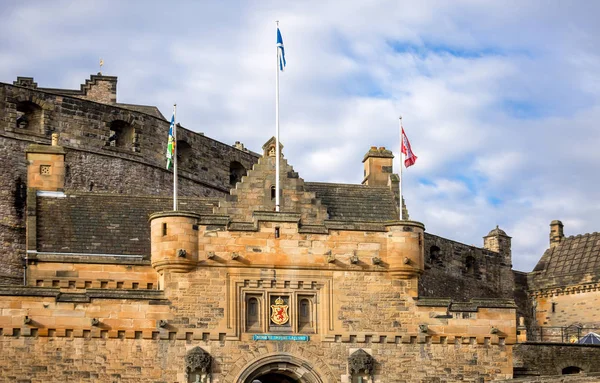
(279,368)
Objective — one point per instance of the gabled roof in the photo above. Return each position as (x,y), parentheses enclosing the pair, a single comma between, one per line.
(574,260)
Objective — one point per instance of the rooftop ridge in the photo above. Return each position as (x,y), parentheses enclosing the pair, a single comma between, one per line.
(342,184)
(143,196)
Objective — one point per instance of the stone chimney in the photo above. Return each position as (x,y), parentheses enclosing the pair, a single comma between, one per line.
(378,166)
(46,166)
(556,233)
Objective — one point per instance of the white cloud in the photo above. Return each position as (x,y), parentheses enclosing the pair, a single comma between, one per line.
(499,100)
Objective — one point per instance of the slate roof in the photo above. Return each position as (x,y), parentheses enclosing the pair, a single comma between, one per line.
(574,260)
(148,109)
(102,223)
(90,223)
(356,202)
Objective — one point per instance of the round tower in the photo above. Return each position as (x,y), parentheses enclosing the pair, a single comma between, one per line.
(174,241)
(405,255)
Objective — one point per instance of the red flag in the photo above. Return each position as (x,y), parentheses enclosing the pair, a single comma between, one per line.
(411,158)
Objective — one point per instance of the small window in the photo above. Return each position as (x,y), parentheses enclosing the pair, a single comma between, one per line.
(30,117)
(470,265)
(184,155)
(121,134)
(236,172)
(571,370)
(305,320)
(273,192)
(435,255)
(252,314)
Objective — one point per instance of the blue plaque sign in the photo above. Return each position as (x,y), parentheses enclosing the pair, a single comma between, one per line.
(295,338)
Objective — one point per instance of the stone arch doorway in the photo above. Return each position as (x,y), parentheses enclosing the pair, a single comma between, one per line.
(279,368)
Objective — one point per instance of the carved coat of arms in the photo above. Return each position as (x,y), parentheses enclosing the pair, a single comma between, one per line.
(279,312)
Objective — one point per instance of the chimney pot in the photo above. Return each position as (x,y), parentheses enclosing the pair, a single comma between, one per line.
(382,148)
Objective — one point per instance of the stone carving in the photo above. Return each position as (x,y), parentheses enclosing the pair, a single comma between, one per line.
(197,365)
(359,361)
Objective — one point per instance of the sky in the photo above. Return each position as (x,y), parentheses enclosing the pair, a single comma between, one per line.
(499,99)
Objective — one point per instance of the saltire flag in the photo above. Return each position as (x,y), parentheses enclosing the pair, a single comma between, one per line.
(411,158)
(280,51)
(171,143)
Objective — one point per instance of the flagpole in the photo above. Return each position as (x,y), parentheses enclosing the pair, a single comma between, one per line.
(174,157)
(401,161)
(277,127)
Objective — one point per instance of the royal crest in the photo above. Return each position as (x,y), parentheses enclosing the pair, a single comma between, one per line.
(279,312)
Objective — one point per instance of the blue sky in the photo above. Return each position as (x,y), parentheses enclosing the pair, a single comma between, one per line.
(499,99)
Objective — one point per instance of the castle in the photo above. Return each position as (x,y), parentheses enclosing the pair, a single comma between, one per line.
(103,281)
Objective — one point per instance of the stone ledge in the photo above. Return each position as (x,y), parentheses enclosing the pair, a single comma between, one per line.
(178,213)
(171,334)
(89,258)
(556,344)
(46,149)
(471,306)
(271,216)
(86,296)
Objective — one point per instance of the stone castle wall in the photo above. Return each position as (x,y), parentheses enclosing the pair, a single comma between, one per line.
(95,359)
(569,306)
(91,163)
(552,358)
(458,271)
(48,333)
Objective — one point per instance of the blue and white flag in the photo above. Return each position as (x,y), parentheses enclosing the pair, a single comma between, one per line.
(171,142)
(280,51)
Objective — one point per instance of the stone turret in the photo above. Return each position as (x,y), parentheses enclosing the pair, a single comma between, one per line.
(174,241)
(556,233)
(498,241)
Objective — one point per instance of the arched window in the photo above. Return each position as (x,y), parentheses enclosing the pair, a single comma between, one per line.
(30,117)
(435,255)
(470,265)
(571,370)
(305,320)
(121,134)
(184,154)
(236,172)
(252,314)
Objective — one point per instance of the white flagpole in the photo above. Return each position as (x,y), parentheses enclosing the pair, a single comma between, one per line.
(277,128)
(174,157)
(401,162)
